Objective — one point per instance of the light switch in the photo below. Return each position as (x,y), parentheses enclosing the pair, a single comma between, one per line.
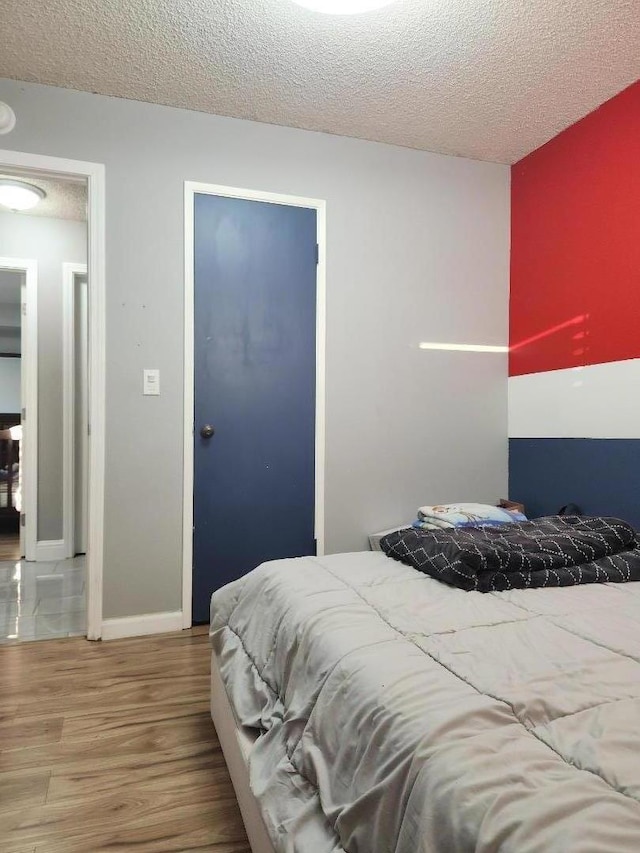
(151,382)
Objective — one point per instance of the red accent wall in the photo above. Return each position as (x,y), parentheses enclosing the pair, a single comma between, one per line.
(575,244)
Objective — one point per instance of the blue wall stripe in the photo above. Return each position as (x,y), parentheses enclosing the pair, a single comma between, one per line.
(601,476)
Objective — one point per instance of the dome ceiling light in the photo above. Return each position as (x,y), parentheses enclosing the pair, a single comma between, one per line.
(18,195)
(7,118)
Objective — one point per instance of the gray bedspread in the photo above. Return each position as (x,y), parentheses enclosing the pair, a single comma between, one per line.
(400,714)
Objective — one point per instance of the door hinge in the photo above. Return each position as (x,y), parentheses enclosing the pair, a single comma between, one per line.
(24,309)
(317,254)
(23,519)
(24,414)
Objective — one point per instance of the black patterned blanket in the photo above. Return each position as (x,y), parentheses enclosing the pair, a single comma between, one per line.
(553,551)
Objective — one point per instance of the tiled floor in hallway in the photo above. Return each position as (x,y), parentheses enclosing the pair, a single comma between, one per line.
(42,600)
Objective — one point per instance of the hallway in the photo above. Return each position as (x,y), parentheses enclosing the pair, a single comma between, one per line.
(42,600)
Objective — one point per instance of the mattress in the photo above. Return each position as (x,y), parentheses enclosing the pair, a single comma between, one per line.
(399,714)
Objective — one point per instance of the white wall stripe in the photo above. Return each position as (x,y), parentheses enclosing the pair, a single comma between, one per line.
(596,401)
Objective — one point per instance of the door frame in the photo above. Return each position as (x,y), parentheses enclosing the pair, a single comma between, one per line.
(69,346)
(94,173)
(29,382)
(191,189)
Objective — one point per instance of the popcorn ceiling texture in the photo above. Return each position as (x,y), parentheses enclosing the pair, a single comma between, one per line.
(65,199)
(488,79)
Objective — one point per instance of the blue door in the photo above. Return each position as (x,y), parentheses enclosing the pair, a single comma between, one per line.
(255,388)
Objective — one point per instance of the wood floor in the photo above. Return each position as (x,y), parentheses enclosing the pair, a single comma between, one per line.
(9,546)
(110,747)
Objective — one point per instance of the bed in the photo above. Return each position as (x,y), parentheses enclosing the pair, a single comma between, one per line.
(364,706)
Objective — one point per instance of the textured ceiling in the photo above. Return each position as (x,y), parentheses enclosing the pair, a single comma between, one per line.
(65,199)
(490,79)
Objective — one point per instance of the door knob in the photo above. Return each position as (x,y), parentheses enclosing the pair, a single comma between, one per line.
(207,431)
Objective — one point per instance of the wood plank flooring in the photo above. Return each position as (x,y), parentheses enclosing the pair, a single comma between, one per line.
(110,747)
(9,546)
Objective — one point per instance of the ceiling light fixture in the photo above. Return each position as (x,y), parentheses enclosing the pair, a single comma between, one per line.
(343,7)
(17,195)
(7,118)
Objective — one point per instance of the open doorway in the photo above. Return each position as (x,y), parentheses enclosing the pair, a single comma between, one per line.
(18,393)
(12,283)
(44,294)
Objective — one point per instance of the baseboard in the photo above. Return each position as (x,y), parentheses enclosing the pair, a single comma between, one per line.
(49,550)
(138,626)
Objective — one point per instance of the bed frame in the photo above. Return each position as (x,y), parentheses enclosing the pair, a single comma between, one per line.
(236,743)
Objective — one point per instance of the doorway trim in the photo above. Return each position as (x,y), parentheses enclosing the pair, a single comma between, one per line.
(29,364)
(191,189)
(95,177)
(69,345)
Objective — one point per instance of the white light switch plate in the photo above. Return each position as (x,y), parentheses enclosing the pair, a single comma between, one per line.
(151,383)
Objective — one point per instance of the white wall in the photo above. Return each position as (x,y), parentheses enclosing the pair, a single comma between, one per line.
(418,249)
(10,319)
(9,313)
(10,392)
(9,343)
(50,242)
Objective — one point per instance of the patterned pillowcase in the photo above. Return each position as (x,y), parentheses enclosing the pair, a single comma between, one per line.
(465,515)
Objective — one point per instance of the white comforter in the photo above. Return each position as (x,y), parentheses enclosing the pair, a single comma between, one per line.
(403,715)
